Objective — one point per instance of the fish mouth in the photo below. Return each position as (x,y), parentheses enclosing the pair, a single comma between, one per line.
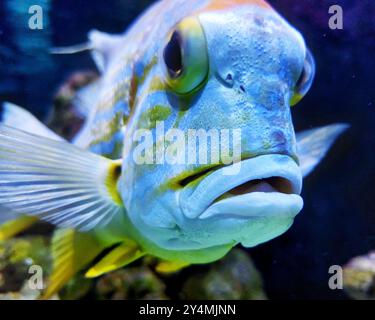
(264,185)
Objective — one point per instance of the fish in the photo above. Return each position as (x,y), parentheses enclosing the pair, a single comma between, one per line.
(119,191)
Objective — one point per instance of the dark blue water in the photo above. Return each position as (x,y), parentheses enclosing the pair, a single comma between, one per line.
(338,221)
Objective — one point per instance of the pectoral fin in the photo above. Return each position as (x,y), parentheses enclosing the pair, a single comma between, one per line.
(314,144)
(121,256)
(56,181)
(17,117)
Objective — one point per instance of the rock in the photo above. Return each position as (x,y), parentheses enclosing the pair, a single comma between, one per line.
(132,283)
(235,277)
(16,258)
(65,118)
(77,288)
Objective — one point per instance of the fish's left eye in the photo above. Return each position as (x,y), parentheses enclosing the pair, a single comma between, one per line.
(305,80)
(185,57)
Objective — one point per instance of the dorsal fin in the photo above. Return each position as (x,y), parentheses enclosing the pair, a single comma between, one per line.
(104,45)
(78,48)
(101,45)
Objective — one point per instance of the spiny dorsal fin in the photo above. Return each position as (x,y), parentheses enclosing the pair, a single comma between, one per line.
(56,181)
(105,46)
(71,252)
(72,49)
(124,254)
(101,45)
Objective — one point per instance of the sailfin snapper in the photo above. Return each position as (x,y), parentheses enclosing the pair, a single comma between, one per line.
(202,65)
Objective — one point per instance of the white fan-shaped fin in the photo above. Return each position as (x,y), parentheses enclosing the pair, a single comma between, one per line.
(18,117)
(57,181)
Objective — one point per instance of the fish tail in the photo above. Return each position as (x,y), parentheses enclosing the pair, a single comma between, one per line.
(11,228)
(72,251)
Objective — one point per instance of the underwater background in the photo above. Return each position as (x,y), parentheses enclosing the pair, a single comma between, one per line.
(338,221)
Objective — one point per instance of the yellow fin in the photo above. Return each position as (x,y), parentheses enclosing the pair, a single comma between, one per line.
(71,251)
(171,266)
(121,256)
(11,228)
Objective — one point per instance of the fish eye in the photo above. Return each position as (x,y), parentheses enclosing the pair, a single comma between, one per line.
(185,57)
(305,80)
(173,56)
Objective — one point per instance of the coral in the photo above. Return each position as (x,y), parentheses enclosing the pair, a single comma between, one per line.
(359,277)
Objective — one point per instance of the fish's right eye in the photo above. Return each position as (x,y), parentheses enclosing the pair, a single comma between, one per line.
(185,57)
(173,55)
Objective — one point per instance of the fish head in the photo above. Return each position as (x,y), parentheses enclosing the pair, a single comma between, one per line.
(229,76)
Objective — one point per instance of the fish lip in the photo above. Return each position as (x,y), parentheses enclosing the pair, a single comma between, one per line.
(194,201)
